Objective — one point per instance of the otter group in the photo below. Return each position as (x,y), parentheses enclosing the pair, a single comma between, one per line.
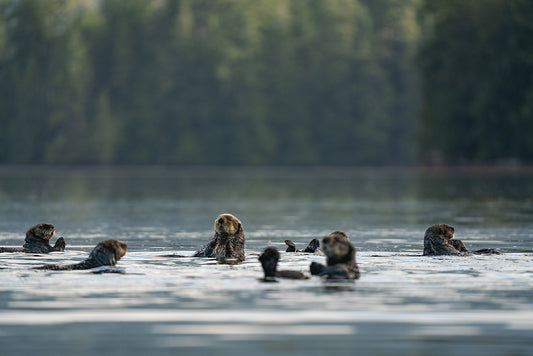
(38,240)
(228,243)
(340,260)
(106,253)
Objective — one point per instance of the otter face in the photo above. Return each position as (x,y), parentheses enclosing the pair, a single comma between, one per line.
(119,248)
(43,231)
(336,244)
(443,230)
(227,224)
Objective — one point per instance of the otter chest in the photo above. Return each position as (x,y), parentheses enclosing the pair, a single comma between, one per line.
(220,250)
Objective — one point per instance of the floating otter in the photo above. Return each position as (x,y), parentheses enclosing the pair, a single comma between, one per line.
(438,240)
(269,261)
(340,255)
(106,253)
(38,240)
(228,241)
(313,245)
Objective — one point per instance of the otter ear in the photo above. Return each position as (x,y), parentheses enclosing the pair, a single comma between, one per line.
(239,228)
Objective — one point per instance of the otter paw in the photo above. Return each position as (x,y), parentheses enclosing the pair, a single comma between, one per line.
(291,247)
(60,244)
(313,246)
(316,268)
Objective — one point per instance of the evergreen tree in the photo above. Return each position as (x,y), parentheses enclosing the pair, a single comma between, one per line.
(477,80)
(207,82)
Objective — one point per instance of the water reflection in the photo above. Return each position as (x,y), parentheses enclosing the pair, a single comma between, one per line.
(229,261)
(339,285)
(380,208)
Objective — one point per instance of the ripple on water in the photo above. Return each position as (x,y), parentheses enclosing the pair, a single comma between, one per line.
(401,296)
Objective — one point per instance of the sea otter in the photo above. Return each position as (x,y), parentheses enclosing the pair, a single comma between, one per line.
(106,253)
(313,245)
(269,261)
(438,240)
(38,240)
(340,255)
(228,241)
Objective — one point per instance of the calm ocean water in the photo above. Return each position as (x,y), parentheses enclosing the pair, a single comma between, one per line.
(403,304)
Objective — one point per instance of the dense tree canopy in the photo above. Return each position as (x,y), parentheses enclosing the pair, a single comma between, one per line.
(202,81)
(477,81)
(264,81)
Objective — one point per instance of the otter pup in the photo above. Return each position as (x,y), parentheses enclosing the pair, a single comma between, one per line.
(38,240)
(438,240)
(269,261)
(106,253)
(340,255)
(228,241)
(313,245)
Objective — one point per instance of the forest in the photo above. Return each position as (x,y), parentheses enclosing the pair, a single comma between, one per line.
(266,82)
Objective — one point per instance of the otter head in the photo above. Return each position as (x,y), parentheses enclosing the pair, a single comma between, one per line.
(338,248)
(228,225)
(269,260)
(443,230)
(108,252)
(41,232)
(117,248)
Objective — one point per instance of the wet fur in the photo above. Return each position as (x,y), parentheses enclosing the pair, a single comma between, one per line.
(38,241)
(269,261)
(228,241)
(340,255)
(105,253)
(439,240)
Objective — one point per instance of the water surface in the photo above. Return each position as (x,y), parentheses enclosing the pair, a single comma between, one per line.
(403,303)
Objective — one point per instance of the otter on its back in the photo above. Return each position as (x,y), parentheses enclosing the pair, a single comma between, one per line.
(312,247)
(439,240)
(38,240)
(340,255)
(228,241)
(105,253)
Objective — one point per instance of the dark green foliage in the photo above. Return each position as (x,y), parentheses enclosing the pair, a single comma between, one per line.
(477,81)
(208,82)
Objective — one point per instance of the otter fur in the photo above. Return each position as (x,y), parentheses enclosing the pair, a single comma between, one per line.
(313,245)
(269,261)
(228,241)
(340,255)
(105,253)
(439,240)
(38,240)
